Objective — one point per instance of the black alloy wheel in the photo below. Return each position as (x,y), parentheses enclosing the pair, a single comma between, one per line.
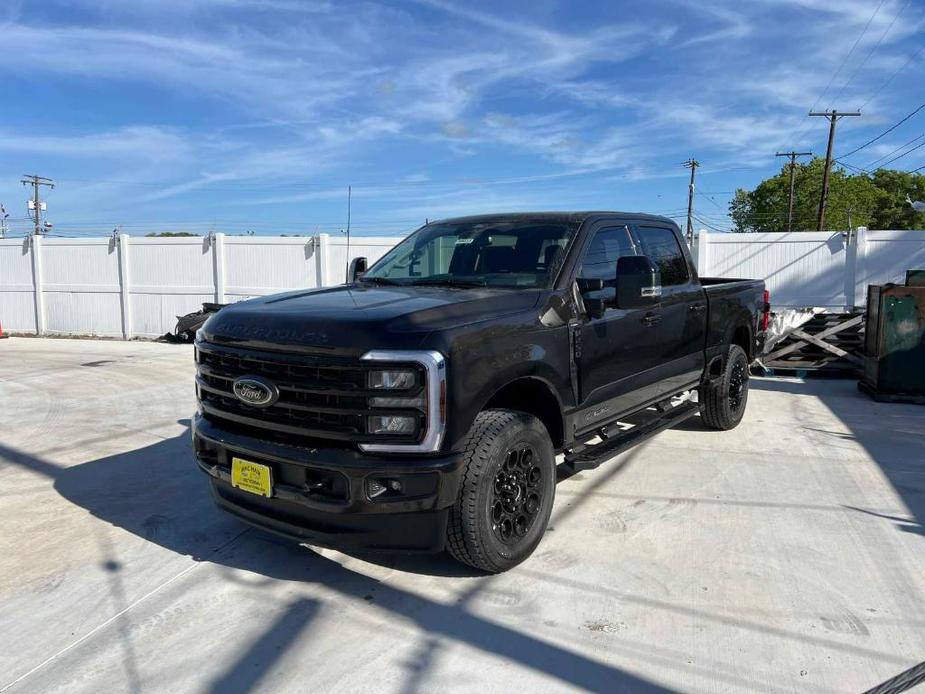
(516,494)
(738,382)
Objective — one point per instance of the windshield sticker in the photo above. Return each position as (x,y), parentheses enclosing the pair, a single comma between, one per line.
(464,242)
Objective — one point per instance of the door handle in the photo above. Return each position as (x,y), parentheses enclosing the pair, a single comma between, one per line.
(651,319)
(696,308)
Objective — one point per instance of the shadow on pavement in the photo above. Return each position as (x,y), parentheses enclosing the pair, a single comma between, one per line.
(252,665)
(157,493)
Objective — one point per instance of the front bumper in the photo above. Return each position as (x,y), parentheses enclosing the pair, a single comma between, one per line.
(320,494)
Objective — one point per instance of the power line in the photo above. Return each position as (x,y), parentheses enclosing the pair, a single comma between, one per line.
(847,56)
(917,170)
(872,50)
(707,197)
(903,146)
(889,80)
(846,165)
(710,226)
(885,132)
(837,72)
(900,156)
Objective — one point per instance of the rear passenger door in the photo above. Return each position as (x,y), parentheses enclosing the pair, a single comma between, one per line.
(682,312)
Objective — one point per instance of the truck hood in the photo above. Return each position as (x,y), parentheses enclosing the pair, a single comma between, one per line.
(352,319)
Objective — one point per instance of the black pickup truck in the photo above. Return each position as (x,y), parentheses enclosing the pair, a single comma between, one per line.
(422,405)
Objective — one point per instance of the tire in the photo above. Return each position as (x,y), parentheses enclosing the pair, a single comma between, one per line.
(723,401)
(506,494)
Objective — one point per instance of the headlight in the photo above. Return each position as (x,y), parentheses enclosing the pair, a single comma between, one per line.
(429,380)
(391,425)
(391,380)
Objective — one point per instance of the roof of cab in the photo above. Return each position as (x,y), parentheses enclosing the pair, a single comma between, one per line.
(549,217)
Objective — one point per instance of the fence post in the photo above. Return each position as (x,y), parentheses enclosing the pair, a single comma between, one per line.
(321,260)
(858,277)
(124,286)
(35,247)
(218,266)
(703,256)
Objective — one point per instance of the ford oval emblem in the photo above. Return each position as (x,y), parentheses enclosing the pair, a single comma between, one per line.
(255,391)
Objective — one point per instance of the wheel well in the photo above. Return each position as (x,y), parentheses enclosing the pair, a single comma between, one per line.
(534,397)
(743,338)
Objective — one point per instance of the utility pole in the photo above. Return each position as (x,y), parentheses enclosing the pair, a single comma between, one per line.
(833,117)
(36,182)
(793,162)
(691,164)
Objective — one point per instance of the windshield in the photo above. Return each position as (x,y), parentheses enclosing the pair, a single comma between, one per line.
(491,254)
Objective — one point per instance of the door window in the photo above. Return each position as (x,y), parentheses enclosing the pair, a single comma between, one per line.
(600,259)
(661,247)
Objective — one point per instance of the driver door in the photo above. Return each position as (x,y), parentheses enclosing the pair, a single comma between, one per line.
(618,351)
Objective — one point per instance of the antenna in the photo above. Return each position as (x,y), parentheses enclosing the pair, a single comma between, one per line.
(349,195)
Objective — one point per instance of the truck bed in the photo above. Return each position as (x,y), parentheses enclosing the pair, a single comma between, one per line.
(729,299)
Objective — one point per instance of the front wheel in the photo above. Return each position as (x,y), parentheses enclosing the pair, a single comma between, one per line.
(723,401)
(507,491)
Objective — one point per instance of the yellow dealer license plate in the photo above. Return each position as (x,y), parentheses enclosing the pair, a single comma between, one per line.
(251,477)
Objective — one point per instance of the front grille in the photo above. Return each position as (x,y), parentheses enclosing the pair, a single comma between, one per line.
(320,397)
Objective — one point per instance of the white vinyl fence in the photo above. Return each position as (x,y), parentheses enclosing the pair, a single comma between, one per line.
(127,286)
(803,269)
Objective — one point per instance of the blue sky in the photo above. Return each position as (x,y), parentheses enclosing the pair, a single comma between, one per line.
(240,115)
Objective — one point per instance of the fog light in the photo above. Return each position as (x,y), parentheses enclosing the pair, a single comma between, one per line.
(377,487)
(391,425)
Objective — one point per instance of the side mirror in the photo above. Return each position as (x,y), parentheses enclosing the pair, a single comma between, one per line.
(639,282)
(586,285)
(357,268)
(595,307)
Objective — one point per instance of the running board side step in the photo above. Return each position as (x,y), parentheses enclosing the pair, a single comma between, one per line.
(590,457)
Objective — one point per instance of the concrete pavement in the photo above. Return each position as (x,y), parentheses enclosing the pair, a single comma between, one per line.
(788,554)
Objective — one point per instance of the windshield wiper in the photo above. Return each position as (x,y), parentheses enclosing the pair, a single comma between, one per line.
(448,281)
(383,280)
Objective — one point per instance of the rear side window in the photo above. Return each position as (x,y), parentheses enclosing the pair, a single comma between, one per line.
(661,247)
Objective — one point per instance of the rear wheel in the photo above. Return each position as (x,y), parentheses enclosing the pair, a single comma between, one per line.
(723,401)
(507,491)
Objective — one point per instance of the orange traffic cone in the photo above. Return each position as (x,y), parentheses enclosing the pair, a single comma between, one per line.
(3,335)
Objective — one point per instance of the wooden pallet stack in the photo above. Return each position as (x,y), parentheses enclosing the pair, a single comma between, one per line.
(828,342)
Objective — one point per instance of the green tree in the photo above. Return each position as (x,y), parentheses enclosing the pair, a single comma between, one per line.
(877,201)
(891,210)
(172,234)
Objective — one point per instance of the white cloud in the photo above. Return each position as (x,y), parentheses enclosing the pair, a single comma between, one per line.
(734,24)
(132,144)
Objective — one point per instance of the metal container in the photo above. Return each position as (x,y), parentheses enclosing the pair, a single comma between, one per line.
(894,360)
